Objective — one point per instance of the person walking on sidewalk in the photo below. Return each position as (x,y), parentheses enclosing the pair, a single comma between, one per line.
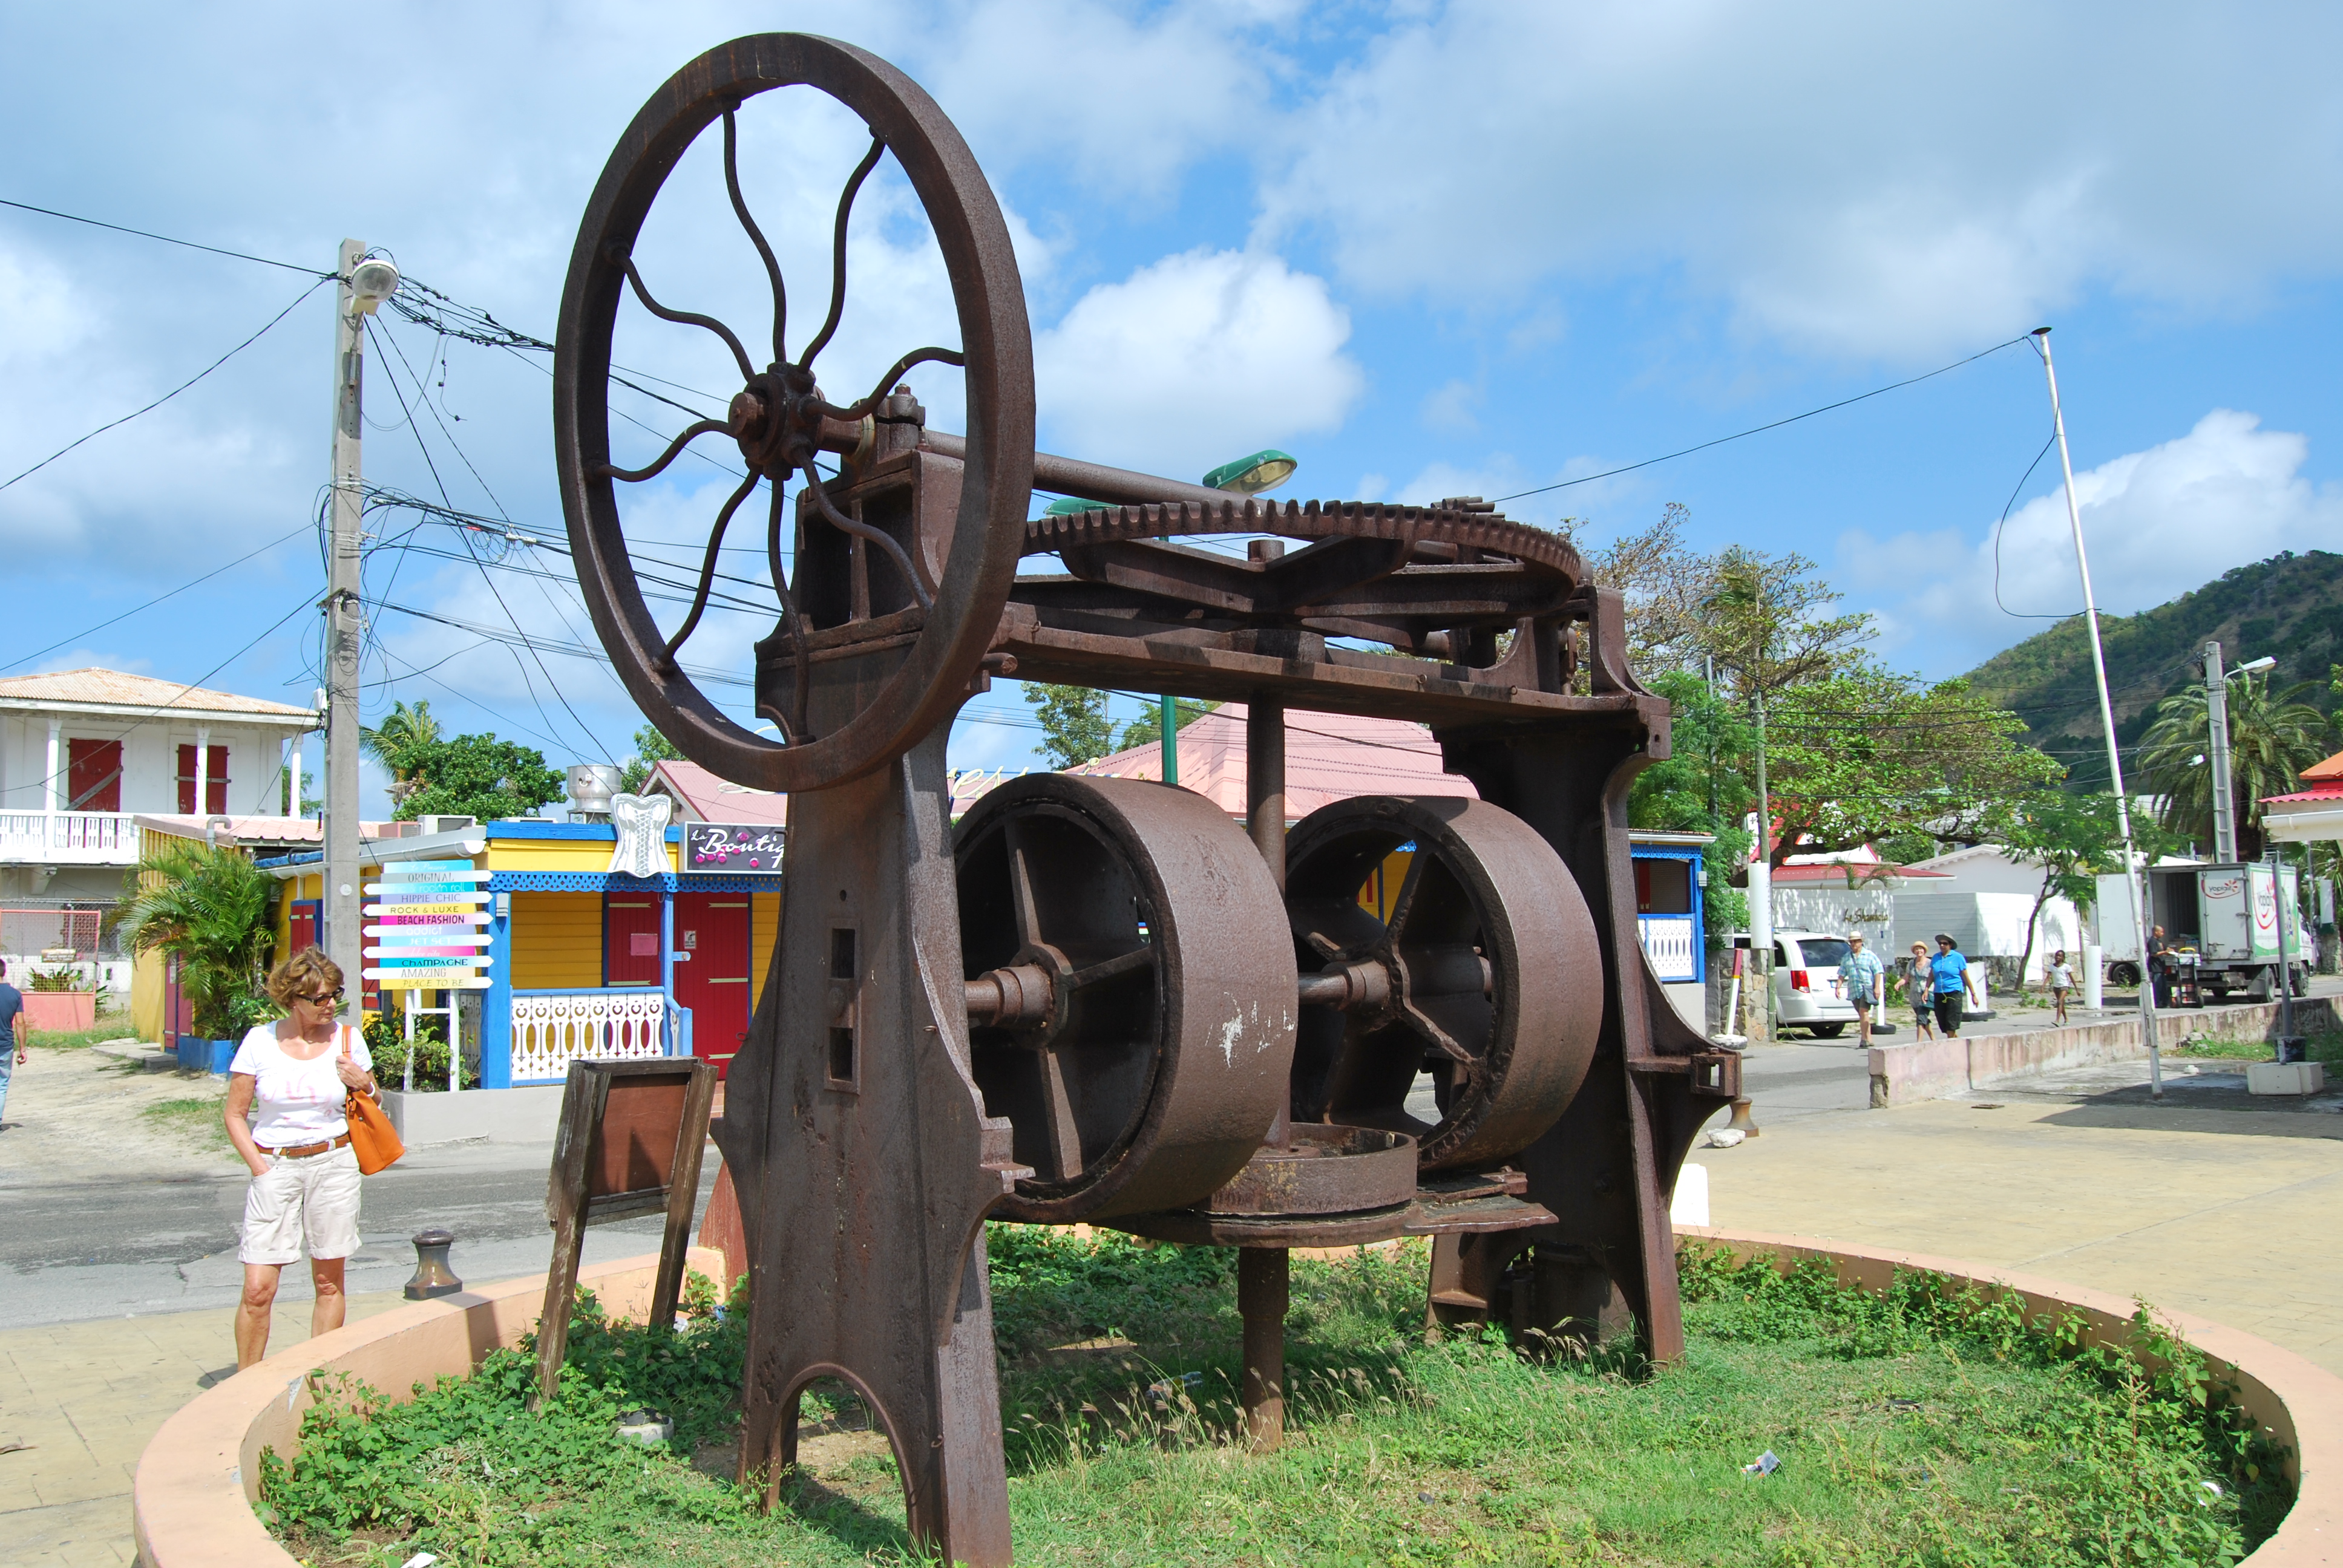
(1864,976)
(2061,980)
(284,1095)
(1920,990)
(14,1034)
(1954,985)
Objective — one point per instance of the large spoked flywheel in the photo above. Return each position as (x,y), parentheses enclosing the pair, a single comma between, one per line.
(779,421)
(1132,991)
(1483,961)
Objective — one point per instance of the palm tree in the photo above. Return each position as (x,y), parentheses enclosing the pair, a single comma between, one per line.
(209,908)
(395,741)
(2273,737)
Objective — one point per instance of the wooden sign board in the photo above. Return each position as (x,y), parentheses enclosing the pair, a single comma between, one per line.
(630,1143)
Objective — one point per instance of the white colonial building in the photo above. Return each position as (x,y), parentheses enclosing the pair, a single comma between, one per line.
(85,753)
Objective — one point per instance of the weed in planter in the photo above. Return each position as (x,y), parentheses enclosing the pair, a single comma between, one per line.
(387,1042)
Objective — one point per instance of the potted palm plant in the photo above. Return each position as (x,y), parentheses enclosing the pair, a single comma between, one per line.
(209,908)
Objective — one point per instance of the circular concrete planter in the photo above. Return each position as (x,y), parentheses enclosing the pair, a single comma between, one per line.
(191,1504)
(192,1501)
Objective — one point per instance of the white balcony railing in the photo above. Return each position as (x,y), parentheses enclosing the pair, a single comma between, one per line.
(1668,943)
(68,837)
(551,1029)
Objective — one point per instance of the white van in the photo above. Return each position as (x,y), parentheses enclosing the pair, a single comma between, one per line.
(1806,990)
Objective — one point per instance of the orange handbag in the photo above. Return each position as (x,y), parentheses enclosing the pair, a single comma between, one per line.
(372,1137)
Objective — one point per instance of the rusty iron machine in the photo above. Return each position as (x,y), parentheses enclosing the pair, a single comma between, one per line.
(1101,999)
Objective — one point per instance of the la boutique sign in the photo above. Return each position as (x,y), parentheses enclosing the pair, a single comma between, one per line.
(731,846)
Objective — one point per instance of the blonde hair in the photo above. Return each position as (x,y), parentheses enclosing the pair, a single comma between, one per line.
(307,972)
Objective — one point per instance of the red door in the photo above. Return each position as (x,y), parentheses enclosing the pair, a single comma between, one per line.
(712,971)
(93,776)
(303,935)
(631,939)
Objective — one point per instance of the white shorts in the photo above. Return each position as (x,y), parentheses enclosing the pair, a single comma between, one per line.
(314,1200)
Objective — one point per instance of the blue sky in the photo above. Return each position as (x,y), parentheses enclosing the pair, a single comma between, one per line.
(1429,248)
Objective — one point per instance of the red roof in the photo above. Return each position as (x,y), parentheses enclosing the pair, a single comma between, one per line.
(1836,871)
(706,797)
(2328,772)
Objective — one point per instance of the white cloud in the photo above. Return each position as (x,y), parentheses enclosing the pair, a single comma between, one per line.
(2158,523)
(1854,179)
(1449,407)
(1199,357)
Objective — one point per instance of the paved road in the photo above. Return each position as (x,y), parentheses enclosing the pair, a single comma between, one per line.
(100,1217)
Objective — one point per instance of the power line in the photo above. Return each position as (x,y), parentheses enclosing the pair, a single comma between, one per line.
(151,603)
(1761,429)
(174,391)
(166,239)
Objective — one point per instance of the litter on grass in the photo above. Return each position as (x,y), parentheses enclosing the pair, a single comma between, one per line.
(1766,1463)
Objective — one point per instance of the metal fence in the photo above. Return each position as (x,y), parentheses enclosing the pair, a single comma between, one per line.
(32,927)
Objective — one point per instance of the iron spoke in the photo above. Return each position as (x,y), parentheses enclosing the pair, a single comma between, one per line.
(1439,1039)
(708,568)
(928,356)
(757,236)
(690,318)
(1021,886)
(1058,1106)
(838,252)
(793,725)
(1112,969)
(879,536)
(674,449)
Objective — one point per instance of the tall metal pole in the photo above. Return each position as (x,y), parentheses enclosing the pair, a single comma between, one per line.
(2217,712)
(342,942)
(1167,723)
(2107,722)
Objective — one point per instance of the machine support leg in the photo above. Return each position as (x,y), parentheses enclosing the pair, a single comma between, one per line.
(1261,1298)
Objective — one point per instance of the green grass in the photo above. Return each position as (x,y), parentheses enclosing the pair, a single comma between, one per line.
(111,1025)
(1927,1427)
(199,1118)
(2325,1048)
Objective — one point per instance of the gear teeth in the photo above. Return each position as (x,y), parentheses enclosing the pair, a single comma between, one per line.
(1322,519)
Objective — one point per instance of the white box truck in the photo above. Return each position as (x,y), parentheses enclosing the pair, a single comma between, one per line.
(2227,915)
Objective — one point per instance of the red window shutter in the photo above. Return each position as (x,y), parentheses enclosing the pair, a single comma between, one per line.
(216,780)
(93,776)
(188,780)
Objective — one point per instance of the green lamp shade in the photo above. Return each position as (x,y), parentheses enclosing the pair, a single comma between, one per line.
(1264,470)
(1068,505)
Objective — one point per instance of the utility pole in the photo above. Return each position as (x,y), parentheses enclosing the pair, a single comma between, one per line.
(2217,712)
(2041,337)
(363,285)
(1167,724)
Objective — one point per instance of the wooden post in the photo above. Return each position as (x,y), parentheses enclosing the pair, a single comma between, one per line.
(582,1099)
(683,1192)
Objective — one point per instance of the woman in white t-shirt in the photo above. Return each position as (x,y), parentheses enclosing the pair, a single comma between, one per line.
(284,1094)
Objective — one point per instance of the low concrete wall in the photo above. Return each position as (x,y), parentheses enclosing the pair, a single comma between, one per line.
(1932,1069)
(2297,1404)
(527,1115)
(191,1504)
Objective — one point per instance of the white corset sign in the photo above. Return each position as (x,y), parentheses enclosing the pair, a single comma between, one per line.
(641,822)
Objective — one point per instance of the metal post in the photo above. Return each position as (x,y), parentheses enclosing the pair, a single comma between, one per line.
(1263,1273)
(1167,721)
(2286,919)
(2217,714)
(2041,337)
(340,910)
(1761,884)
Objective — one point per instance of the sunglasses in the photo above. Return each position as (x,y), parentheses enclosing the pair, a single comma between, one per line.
(320,999)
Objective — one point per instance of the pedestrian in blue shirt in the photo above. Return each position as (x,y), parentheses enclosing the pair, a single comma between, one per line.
(13,1033)
(1863,975)
(1954,985)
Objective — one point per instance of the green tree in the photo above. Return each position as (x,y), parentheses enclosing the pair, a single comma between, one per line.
(402,734)
(1702,786)
(2072,839)
(1867,755)
(209,908)
(2273,737)
(651,749)
(1075,729)
(477,775)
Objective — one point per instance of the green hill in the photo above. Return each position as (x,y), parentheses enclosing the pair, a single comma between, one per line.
(2290,606)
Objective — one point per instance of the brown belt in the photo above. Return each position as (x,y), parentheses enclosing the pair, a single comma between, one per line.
(305,1151)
